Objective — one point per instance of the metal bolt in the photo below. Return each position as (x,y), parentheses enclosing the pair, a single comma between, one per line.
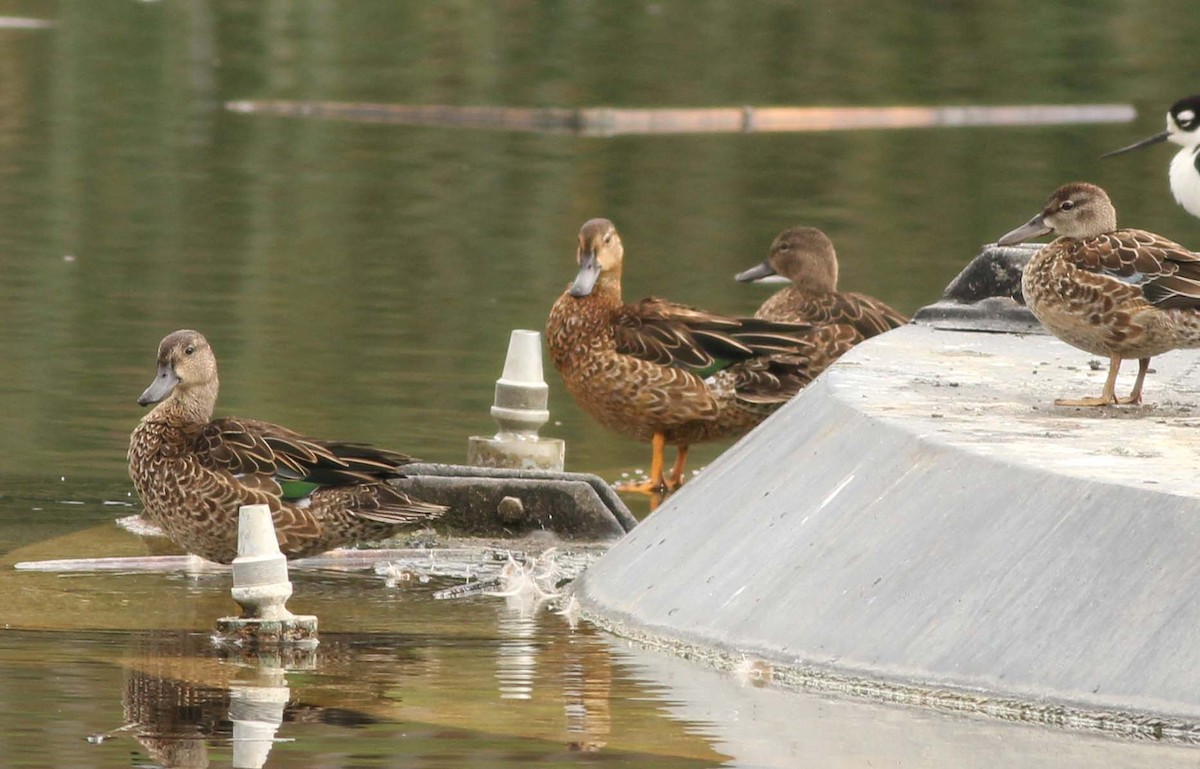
(511,510)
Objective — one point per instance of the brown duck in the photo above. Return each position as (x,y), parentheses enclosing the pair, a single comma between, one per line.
(193,472)
(665,373)
(1121,293)
(806,257)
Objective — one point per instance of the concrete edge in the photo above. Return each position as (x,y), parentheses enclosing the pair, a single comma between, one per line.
(1015,582)
(799,677)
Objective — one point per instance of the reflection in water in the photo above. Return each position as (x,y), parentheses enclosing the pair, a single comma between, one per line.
(256,713)
(587,687)
(189,704)
(516,655)
(175,711)
(362,703)
(579,664)
(173,719)
(765,727)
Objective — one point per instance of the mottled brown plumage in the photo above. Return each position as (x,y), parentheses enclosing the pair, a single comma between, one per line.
(806,257)
(666,373)
(193,472)
(1120,293)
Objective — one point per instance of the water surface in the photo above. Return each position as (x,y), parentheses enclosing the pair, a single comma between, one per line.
(359,281)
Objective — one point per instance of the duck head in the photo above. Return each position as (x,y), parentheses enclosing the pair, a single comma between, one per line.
(1077,210)
(803,255)
(600,254)
(187,372)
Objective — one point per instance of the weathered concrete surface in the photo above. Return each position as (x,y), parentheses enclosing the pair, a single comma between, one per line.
(509,502)
(924,516)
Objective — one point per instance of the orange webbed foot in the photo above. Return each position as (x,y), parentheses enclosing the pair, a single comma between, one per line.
(1090,402)
(648,486)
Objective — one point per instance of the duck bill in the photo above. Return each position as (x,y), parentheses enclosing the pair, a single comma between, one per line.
(589,273)
(164,382)
(1034,228)
(757,272)
(1155,139)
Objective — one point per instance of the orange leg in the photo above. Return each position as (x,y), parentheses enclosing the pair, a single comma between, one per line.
(676,479)
(1135,395)
(654,484)
(1108,396)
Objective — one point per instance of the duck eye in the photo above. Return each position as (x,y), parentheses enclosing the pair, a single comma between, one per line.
(608,238)
(1067,205)
(189,350)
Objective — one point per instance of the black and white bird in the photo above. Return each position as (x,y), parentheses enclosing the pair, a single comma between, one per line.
(1183,128)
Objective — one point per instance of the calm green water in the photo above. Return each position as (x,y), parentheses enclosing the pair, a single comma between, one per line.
(359,281)
(466,683)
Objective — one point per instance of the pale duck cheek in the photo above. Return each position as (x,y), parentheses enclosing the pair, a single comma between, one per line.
(1185,181)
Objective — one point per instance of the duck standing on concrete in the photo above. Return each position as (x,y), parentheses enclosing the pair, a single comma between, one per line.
(806,257)
(193,472)
(1120,293)
(664,373)
(1183,128)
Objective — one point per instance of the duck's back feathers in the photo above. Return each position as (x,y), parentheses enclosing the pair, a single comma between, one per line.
(329,474)
(774,379)
(248,446)
(1167,273)
(670,334)
(868,315)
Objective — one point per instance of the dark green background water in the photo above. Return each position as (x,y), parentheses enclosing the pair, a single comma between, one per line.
(359,281)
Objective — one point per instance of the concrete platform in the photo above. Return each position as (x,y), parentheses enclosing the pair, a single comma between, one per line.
(922,524)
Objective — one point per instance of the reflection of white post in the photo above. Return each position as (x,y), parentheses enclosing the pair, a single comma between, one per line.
(516,657)
(519,410)
(261,587)
(256,713)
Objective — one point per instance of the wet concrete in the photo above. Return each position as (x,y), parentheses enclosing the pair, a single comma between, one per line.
(922,523)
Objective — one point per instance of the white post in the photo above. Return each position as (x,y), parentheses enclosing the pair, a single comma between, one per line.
(260,576)
(520,410)
(261,587)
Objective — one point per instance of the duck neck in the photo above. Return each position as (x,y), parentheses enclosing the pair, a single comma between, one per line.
(608,286)
(814,277)
(191,406)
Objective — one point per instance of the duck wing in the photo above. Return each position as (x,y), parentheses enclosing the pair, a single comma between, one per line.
(1167,273)
(671,334)
(867,314)
(251,447)
(774,379)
